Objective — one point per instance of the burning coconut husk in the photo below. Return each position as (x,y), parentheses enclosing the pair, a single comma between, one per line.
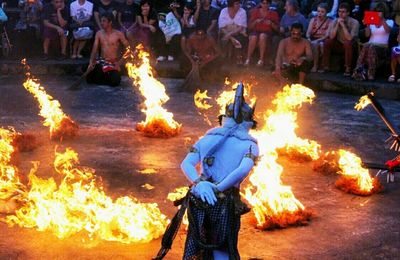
(328,163)
(25,142)
(61,126)
(159,122)
(355,178)
(79,204)
(273,203)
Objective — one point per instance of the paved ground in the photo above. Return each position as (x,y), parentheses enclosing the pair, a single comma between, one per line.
(346,226)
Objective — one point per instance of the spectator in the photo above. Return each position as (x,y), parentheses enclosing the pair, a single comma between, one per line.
(232,24)
(55,21)
(396,12)
(294,57)
(147,21)
(342,36)
(106,70)
(201,49)
(188,20)
(29,26)
(208,17)
(290,17)
(317,33)
(395,59)
(81,25)
(127,19)
(376,48)
(168,41)
(263,22)
(101,7)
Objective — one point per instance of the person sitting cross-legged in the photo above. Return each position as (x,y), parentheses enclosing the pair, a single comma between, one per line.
(294,57)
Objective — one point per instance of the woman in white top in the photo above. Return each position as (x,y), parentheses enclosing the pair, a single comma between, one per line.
(376,49)
(81,12)
(232,23)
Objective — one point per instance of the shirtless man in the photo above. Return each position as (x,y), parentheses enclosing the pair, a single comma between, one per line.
(201,48)
(106,70)
(294,57)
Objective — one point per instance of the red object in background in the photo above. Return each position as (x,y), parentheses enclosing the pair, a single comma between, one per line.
(393,163)
(372,18)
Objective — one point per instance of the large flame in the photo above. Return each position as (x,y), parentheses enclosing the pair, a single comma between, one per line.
(355,178)
(79,204)
(159,122)
(273,203)
(10,185)
(61,125)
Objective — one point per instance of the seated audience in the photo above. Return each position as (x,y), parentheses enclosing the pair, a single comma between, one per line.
(291,16)
(317,33)
(127,19)
(232,24)
(262,25)
(55,26)
(81,25)
(342,38)
(395,59)
(188,20)
(168,37)
(147,24)
(208,17)
(101,7)
(29,26)
(374,52)
(294,57)
(106,69)
(202,50)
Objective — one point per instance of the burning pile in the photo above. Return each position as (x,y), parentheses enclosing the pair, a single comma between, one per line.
(273,203)
(61,125)
(79,204)
(159,122)
(11,189)
(355,179)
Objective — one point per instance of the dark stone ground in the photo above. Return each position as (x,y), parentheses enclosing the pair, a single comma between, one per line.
(346,226)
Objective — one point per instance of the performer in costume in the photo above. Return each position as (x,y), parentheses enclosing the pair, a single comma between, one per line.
(226,154)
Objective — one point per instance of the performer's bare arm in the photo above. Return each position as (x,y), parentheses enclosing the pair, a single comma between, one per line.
(95,51)
(188,166)
(125,43)
(241,172)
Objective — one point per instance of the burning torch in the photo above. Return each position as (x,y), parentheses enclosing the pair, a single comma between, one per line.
(393,165)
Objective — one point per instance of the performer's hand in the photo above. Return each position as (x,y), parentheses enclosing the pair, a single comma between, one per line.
(205,191)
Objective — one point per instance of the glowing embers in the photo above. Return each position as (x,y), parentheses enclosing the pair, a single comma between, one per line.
(79,205)
(355,179)
(159,122)
(61,125)
(274,204)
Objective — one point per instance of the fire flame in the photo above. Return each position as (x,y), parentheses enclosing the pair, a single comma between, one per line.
(61,125)
(355,178)
(178,194)
(79,204)
(200,100)
(228,96)
(273,203)
(159,122)
(10,185)
(362,103)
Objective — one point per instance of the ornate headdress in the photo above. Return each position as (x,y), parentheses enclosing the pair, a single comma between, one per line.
(239,110)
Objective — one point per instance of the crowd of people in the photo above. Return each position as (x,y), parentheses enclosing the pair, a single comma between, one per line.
(291,38)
